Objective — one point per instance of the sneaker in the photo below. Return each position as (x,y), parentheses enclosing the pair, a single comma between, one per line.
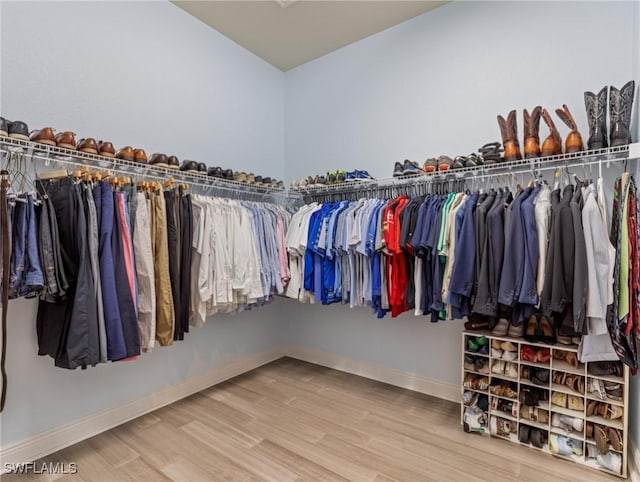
(430,165)
(363,175)
(410,168)
(397,169)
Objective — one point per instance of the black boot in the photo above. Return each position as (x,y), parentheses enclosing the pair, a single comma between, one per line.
(620,104)
(596,106)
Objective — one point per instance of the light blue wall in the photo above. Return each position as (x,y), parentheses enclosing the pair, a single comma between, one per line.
(151,75)
(434,85)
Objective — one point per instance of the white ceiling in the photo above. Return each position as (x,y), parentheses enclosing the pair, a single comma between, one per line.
(287,33)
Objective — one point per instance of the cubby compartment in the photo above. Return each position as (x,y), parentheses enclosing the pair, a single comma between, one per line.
(543,397)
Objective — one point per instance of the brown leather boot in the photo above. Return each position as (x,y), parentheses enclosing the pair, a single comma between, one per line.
(552,145)
(574,139)
(532,133)
(509,131)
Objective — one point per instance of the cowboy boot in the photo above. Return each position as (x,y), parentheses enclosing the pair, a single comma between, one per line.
(531,133)
(552,145)
(596,106)
(509,131)
(573,143)
(620,103)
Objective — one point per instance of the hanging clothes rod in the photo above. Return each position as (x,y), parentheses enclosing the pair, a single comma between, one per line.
(207,184)
(565,161)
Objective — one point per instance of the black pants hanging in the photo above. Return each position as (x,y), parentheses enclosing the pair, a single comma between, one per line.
(186,226)
(174,272)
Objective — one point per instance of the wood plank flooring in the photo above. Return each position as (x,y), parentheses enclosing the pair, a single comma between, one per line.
(291,420)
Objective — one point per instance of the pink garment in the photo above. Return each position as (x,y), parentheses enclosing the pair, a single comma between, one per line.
(128,249)
(285,274)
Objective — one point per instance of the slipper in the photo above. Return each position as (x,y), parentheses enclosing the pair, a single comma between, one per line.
(575,403)
(615,437)
(613,412)
(559,399)
(591,408)
(572,359)
(612,390)
(543,355)
(602,442)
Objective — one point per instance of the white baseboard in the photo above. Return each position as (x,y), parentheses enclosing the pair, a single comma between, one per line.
(45,443)
(634,461)
(379,373)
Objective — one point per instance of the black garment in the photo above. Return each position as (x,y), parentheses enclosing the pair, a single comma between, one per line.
(435,265)
(174,272)
(186,225)
(63,327)
(484,205)
(409,220)
(128,316)
(580,275)
(563,260)
(486,302)
(93,337)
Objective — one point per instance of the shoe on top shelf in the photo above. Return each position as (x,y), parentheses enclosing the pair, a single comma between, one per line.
(408,168)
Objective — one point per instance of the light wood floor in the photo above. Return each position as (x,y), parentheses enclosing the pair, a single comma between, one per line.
(294,420)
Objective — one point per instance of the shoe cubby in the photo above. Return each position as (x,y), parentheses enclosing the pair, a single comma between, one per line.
(542,397)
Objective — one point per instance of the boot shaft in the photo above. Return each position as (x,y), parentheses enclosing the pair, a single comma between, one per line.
(596,106)
(620,107)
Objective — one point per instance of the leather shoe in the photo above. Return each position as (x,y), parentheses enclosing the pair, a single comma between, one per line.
(215,172)
(44,136)
(228,174)
(66,139)
(202,167)
(4,127)
(88,145)
(18,130)
(159,160)
(125,153)
(140,156)
(189,165)
(173,162)
(106,149)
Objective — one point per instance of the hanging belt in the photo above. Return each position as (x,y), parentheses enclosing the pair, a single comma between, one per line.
(6,259)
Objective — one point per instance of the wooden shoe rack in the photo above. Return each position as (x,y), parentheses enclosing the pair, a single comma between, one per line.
(505,384)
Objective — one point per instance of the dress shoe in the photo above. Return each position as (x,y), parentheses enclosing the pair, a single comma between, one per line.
(88,145)
(202,167)
(240,177)
(173,162)
(228,174)
(140,156)
(251,178)
(620,105)
(215,172)
(189,165)
(596,107)
(266,181)
(159,160)
(66,139)
(509,131)
(4,127)
(125,153)
(106,149)
(18,130)
(552,145)
(573,143)
(46,135)
(532,133)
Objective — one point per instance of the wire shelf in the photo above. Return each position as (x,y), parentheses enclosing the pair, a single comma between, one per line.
(207,184)
(569,161)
